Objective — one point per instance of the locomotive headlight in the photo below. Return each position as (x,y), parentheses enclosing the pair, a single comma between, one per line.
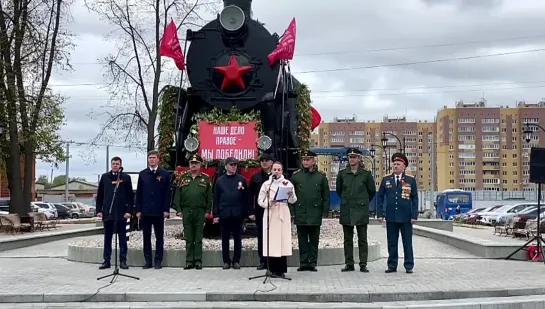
(264,142)
(191,144)
(232,18)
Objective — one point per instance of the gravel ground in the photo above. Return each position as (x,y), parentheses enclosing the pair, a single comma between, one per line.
(331,236)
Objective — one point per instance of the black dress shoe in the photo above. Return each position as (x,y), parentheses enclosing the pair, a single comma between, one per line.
(123,265)
(158,266)
(236,266)
(104,265)
(226,265)
(302,268)
(409,271)
(390,270)
(364,269)
(198,266)
(147,266)
(312,268)
(188,266)
(348,268)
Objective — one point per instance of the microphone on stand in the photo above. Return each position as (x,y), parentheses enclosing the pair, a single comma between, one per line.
(274,177)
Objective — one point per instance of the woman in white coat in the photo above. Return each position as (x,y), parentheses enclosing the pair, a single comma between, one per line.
(277,241)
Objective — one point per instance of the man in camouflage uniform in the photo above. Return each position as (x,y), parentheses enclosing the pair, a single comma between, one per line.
(192,200)
(355,187)
(312,191)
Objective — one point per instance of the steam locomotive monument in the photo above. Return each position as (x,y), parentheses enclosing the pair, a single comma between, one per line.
(238,105)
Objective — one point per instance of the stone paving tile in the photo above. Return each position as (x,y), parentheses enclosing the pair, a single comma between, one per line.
(486,232)
(54,275)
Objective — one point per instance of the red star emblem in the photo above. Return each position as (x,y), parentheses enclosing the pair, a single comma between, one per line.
(232,73)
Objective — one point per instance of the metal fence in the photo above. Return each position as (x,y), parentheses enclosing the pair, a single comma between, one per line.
(483,198)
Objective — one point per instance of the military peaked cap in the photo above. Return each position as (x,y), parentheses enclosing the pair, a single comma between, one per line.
(307,154)
(196,158)
(400,157)
(354,152)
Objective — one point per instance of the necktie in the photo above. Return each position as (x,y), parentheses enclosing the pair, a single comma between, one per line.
(397,180)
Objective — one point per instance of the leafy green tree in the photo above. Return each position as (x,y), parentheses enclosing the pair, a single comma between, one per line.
(33,41)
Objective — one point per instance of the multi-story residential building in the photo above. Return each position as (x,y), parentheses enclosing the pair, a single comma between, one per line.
(416,137)
(483,148)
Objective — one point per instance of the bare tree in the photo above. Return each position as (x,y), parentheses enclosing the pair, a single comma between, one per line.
(33,41)
(134,73)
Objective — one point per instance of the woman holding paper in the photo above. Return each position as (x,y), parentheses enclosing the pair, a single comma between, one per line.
(275,195)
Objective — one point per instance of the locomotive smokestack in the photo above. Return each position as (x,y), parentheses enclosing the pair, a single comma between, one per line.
(245,5)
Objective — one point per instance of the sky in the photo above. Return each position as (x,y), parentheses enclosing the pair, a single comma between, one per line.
(364,58)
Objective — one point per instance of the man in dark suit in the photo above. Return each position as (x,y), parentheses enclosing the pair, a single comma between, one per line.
(232,204)
(401,193)
(153,206)
(114,218)
(256,181)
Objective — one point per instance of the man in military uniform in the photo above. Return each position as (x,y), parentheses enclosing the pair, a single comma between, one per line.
(401,211)
(312,191)
(356,188)
(193,198)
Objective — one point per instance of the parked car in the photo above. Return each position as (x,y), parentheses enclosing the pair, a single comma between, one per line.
(79,210)
(503,214)
(47,208)
(63,211)
(465,216)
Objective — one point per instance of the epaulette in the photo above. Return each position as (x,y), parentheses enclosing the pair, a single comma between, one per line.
(297,171)
(410,175)
(388,175)
(205,174)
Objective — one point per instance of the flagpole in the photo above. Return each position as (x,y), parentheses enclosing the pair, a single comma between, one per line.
(177,123)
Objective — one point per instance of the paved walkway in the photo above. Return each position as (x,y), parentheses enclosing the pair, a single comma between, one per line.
(438,267)
(60,228)
(486,232)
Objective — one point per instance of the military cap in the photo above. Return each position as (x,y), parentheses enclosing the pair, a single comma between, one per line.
(195,158)
(231,160)
(354,152)
(307,154)
(400,157)
(266,157)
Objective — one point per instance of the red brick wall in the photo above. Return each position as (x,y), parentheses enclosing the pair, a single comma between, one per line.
(4,191)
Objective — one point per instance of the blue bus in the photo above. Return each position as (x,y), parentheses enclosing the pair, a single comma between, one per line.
(447,202)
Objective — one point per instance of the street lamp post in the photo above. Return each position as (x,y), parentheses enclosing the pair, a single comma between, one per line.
(386,159)
(372,153)
(384,141)
(528,132)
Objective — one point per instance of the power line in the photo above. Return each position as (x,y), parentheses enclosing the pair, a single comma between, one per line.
(431,87)
(421,62)
(390,48)
(421,93)
(368,67)
(390,89)
(421,46)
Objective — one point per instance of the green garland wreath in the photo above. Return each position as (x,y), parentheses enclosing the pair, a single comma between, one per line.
(217,116)
(166,124)
(304,117)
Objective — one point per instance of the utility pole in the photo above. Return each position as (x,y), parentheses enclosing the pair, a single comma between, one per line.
(107,158)
(67,172)
(432,171)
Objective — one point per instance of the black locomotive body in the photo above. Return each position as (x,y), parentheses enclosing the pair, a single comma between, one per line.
(227,68)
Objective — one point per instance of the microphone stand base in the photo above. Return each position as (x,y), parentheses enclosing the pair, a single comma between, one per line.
(269,275)
(115,274)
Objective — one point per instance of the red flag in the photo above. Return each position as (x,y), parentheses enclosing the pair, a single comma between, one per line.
(170,46)
(286,46)
(315,118)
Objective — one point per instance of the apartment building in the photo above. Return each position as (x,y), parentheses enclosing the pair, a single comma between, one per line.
(483,148)
(416,137)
